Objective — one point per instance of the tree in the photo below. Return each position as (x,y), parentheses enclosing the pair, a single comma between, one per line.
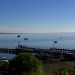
(25,64)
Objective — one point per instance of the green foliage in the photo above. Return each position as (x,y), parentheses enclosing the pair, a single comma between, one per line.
(3,68)
(61,71)
(26,63)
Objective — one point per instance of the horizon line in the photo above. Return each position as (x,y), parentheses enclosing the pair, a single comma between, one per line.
(32,32)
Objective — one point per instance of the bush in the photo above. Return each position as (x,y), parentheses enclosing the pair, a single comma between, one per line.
(25,64)
(3,68)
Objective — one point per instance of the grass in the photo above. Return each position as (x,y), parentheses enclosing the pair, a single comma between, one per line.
(60,71)
(61,68)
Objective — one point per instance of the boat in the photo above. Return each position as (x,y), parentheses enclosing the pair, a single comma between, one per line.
(4,59)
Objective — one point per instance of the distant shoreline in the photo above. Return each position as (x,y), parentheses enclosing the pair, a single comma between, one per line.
(36,33)
(41,33)
(13,33)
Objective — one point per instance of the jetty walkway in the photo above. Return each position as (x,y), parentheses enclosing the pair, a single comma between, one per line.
(52,54)
(22,48)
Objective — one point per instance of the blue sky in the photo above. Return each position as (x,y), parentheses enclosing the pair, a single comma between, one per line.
(37,16)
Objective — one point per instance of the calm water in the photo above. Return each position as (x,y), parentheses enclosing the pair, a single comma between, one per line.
(45,40)
(7,55)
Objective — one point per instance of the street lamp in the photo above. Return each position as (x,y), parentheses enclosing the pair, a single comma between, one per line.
(54,42)
(25,39)
(18,40)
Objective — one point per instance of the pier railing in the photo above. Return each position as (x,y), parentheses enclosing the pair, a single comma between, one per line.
(51,54)
(21,48)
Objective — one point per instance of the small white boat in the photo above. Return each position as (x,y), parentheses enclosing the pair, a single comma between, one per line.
(4,59)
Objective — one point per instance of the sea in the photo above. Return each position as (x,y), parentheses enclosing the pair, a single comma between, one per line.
(36,40)
(39,40)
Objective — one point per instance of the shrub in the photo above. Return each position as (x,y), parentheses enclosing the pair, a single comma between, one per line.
(25,64)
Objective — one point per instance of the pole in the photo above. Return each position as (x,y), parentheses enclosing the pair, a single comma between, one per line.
(18,40)
(54,42)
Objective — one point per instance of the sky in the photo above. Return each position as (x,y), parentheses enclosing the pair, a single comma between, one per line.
(37,16)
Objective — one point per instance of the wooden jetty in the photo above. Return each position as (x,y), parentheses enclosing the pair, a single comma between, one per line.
(51,54)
